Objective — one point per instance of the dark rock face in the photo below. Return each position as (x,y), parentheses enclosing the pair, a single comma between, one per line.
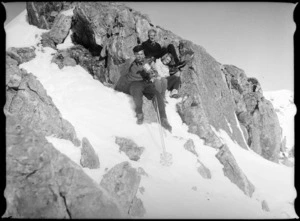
(255,113)
(130,148)
(89,158)
(233,171)
(28,101)
(43,183)
(122,183)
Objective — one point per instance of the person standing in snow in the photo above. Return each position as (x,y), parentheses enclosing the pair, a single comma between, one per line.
(138,82)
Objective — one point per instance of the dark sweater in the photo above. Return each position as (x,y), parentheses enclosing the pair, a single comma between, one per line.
(152,50)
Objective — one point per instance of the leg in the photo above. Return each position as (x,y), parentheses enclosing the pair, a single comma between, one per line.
(150,92)
(174,82)
(136,91)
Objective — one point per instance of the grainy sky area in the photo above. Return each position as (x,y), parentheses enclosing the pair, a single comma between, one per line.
(256,37)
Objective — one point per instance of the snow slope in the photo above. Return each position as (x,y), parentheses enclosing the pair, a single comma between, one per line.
(283,103)
(100,113)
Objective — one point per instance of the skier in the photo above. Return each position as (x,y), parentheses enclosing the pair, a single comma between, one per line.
(138,82)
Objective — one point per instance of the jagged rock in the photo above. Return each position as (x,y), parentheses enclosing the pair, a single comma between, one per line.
(122,182)
(264,206)
(190,146)
(206,99)
(43,183)
(255,113)
(283,145)
(21,55)
(130,148)
(42,14)
(60,28)
(203,170)
(137,208)
(29,102)
(89,158)
(233,171)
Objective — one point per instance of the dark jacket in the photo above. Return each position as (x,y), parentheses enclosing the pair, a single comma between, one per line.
(152,50)
(135,73)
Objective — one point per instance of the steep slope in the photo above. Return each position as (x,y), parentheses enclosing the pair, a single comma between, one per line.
(182,190)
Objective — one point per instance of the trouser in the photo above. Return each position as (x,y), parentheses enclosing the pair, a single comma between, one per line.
(139,88)
(161,85)
(174,82)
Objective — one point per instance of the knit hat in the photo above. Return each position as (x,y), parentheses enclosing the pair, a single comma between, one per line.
(138,48)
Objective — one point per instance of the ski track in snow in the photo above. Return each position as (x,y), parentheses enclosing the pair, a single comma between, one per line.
(100,113)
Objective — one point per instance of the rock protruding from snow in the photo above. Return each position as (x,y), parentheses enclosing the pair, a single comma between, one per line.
(190,146)
(265,206)
(28,101)
(89,157)
(203,170)
(233,171)
(43,183)
(21,55)
(130,148)
(60,29)
(122,182)
(255,112)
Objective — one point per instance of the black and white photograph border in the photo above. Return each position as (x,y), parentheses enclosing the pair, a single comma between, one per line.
(172,110)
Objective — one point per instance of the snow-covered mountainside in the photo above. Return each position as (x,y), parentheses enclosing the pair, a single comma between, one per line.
(283,102)
(178,191)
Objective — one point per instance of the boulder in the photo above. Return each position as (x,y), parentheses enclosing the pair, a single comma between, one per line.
(42,183)
(29,102)
(89,158)
(122,182)
(190,146)
(130,148)
(233,171)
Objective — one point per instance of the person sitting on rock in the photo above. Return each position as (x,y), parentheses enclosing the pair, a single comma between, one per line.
(138,82)
(165,81)
(153,49)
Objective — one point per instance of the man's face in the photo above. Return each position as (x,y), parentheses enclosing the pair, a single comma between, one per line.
(166,60)
(152,36)
(139,56)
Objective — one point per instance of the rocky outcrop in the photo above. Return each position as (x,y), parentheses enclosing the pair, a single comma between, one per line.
(255,113)
(43,183)
(43,14)
(264,206)
(233,171)
(122,183)
(89,157)
(130,148)
(28,101)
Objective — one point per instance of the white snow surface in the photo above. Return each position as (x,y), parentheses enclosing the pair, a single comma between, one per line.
(179,191)
(285,108)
